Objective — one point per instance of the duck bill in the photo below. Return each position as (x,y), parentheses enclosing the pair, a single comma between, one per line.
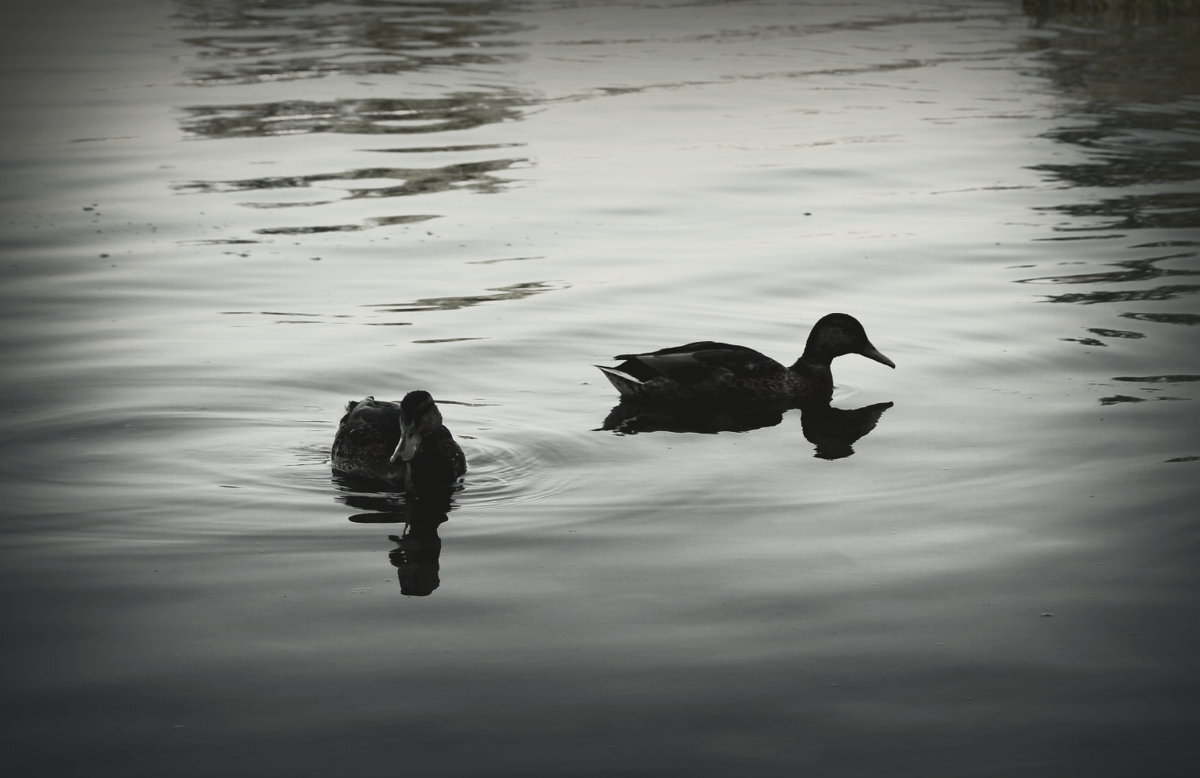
(409,443)
(870,352)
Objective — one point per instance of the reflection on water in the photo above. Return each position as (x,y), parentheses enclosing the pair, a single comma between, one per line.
(1131,270)
(416,557)
(469,176)
(380,46)
(1131,71)
(1151,384)
(631,416)
(1115,52)
(612,606)
(250,41)
(1165,318)
(418,550)
(1168,292)
(833,431)
(364,183)
(511,292)
(391,116)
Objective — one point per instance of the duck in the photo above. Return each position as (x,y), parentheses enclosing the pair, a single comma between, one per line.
(404,443)
(707,370)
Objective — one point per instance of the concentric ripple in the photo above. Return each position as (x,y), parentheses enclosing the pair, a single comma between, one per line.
(502,472)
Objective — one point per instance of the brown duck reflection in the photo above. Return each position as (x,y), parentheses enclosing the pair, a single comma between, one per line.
(418,548)
(833,431)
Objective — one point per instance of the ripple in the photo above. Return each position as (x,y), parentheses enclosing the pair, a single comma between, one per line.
(453,112)
(500,473)
(503,473)
(511,292)
(371,182)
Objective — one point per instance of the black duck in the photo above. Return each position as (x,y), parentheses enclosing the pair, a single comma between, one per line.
(720,371)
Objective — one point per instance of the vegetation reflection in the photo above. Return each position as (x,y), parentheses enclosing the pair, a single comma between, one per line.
(370,52)
(1128,73)
(250,41)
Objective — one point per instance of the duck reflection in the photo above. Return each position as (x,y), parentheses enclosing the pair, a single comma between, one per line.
(631,416)
(832,431)
(416,556)
(418,548)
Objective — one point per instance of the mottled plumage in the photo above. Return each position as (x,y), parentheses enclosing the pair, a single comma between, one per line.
(403,442)
(707,370)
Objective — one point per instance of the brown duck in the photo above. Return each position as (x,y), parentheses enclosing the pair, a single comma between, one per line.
(404,442)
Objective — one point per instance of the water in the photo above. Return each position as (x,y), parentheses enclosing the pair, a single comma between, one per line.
(223,220)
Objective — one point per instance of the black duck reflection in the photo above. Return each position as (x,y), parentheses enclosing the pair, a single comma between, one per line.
(707,370)
(417,553)
(832,431)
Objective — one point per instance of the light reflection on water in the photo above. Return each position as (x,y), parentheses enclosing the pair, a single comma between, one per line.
(980,563)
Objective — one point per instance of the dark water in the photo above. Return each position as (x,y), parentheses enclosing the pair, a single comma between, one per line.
(222,220)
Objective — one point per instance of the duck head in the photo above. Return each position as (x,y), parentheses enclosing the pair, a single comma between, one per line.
(419,416)
(837,334)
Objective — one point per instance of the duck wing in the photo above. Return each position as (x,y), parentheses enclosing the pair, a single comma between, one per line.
(699,362)
(367,435)
(372,412)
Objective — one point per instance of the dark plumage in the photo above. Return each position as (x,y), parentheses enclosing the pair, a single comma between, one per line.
(711,371)
(403,442)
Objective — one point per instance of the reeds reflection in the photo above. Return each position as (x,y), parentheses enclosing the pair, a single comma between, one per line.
(374,183)
(373,116)
(250,41)
(387,71)
(1128,74)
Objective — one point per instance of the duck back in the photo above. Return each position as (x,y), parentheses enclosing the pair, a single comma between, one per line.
(367,435)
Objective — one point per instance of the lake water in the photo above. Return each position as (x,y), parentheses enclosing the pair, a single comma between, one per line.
(223,220)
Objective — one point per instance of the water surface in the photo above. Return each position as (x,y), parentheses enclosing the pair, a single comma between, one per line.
(224,220)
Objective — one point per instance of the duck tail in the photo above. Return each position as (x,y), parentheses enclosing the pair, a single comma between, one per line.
(625,384)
